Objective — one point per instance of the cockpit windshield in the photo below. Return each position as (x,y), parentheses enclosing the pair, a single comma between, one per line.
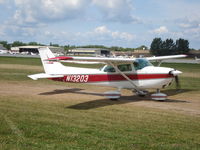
(140,63)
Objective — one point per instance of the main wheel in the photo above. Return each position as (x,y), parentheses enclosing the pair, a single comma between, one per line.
(142,93)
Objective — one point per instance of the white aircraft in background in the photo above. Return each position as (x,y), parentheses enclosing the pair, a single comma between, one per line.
(197,59)
(136,74)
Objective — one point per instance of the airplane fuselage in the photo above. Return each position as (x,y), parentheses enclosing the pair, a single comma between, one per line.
(145,78)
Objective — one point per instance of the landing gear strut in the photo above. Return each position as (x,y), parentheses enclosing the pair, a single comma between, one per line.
(141,93)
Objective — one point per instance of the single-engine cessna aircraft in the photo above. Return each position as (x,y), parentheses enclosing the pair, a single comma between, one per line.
(136,74)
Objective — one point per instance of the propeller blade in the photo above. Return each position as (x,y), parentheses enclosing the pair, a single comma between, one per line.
(175,73)
(177,82)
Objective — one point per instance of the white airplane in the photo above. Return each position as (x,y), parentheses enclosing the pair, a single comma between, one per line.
(197,59)
(135,74)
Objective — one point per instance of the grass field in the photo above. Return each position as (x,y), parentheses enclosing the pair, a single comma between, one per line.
(51,115)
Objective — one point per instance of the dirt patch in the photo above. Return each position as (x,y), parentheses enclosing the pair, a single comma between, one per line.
(187,103)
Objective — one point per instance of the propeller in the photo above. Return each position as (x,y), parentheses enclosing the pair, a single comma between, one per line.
(178,86)
(175,74)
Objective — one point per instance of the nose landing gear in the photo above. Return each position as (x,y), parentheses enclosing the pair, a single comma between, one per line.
(159,96)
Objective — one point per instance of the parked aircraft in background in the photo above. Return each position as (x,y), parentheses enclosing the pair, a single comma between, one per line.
(197,59)
(135,74)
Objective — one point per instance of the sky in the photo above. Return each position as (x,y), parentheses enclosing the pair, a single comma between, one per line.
(126,23)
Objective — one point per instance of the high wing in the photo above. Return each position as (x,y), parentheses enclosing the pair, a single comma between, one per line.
(165,57)
(106,59)
(93,59)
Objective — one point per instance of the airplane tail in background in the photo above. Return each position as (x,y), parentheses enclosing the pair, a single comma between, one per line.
(50,67)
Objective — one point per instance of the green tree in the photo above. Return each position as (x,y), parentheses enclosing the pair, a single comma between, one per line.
(55,45)
(34,43)
(167,47)
(5,44)
(156,46)
(18,43)
(142,47)
(182,46)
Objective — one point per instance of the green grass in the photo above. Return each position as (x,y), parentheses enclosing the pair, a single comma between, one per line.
(48,125)
(37,62)
(46,122)
(20,61)
(194,68)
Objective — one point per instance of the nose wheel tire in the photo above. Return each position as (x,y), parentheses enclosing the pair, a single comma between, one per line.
(158,96)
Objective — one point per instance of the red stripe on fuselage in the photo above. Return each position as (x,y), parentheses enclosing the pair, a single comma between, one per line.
(111,77)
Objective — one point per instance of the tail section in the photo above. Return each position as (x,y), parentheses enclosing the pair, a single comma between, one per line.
(50,67)
(54,69)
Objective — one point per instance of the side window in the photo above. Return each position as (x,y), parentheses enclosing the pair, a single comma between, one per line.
(136,65)
(109,69)
(141,63)
(125,67)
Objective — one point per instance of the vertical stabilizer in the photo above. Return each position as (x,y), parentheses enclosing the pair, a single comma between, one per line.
(49,66)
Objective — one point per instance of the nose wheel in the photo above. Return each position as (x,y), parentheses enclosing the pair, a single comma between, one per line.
(158,96)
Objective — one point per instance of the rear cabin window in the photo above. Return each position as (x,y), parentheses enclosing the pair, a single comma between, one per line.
(125,67)
(122,68)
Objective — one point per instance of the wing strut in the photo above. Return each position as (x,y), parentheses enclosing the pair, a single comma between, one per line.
(127,78)
(159,63)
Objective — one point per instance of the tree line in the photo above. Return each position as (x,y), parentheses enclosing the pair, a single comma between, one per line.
(169,47)
(18,43)
(67,47)
(158,46)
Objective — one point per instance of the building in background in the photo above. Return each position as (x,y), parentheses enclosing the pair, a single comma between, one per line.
(3,50)
(135,53)
(33,50)
(89,51)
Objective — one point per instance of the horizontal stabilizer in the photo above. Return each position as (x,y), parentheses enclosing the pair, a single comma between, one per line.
(43,75)
(59,58)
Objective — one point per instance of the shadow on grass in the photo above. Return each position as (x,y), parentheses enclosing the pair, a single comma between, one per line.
(123,100)
(97,103)
(172,92)
(74,90)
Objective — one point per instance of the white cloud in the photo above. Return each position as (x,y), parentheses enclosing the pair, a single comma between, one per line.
(160,30)
(2,1)
(116,10)
(34,11)
(104,31)
(123,35)
(29,11)
(185,25)
(99,35)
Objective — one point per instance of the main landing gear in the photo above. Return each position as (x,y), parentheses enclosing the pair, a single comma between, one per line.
(115,95)
(112,95)
(141,93)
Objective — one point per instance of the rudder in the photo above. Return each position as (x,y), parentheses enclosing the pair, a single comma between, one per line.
(50,67)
